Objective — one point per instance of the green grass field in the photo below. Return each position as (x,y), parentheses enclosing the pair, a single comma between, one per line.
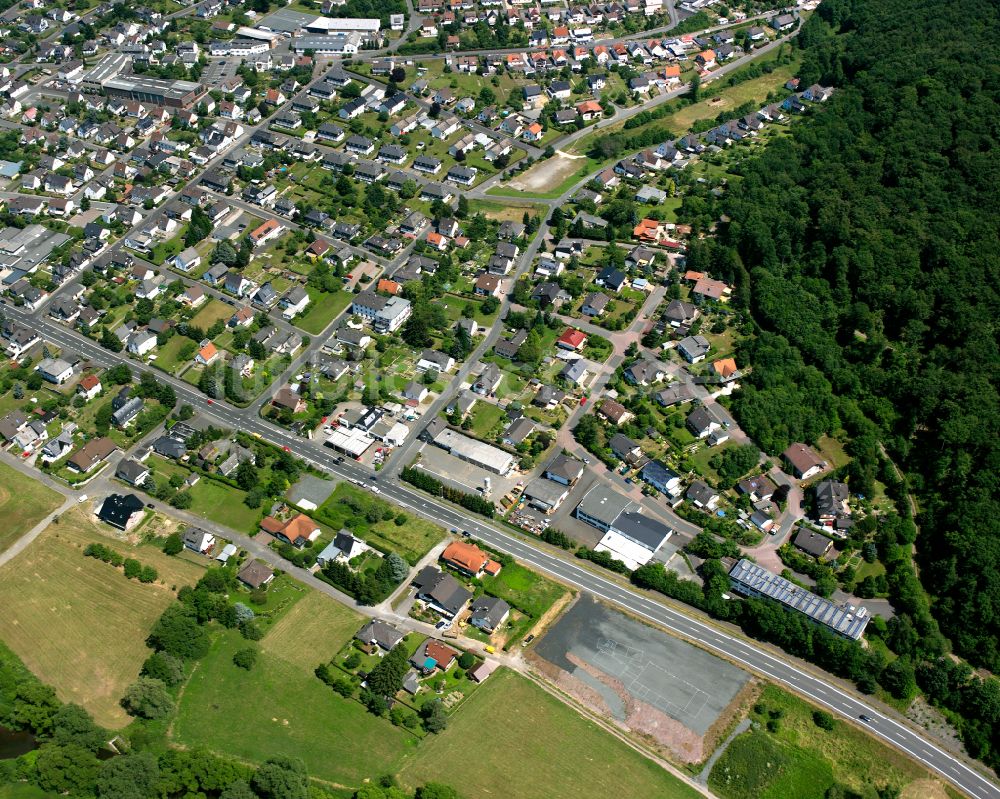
(323,308)
(281,707)
(512,739)
(22,791)
(412,539)
(803,760)
(23,504)
(526,591)
(78,623)
(213,500)
(486,418)
(211,312)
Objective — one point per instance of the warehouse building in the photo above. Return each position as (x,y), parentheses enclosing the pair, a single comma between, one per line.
(476,452)
(333,44)
(104,70)
(170,93)
(629,536)
(844,620)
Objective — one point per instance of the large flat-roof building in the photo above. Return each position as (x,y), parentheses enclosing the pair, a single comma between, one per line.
(22,250)
(629,536)
(171,93)
(104,70)
(475,452)
(844,620)
(367,26)
(331,44)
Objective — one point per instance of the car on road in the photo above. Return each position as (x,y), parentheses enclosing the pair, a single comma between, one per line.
(867,719)
(82,498)
(286,449)
(210,401)
(376,490)
(442,624)
(340,459)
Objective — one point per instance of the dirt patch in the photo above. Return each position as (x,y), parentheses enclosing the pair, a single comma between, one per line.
(552,614)
(935,724)
(924,789)
(548,174)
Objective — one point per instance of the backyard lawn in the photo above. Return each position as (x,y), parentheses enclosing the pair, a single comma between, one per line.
(79,624)
(23,504)
(213,311)
(538,748)
(486,418)
(412,539)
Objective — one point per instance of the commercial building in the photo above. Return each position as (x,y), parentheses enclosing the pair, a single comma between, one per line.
(170,93)
(367,26)
(22,250)
(476,452)
(629,536)
(353,442)
(333,44)
(545,495)
(104,70)
(844,620)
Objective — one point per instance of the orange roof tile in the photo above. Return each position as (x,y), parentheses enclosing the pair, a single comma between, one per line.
(465,556)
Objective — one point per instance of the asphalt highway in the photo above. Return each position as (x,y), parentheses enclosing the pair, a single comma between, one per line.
(733,647)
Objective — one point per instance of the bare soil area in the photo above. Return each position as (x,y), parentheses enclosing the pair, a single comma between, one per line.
(546,175)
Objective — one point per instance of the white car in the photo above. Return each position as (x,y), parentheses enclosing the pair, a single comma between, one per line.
(82,498)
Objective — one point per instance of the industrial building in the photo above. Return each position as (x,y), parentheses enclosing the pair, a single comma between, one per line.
(475,452)
(844,620)
(170,93)
(333,44)
(629,536)
(104,70)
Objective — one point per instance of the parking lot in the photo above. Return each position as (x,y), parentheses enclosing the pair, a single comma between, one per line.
(463,475)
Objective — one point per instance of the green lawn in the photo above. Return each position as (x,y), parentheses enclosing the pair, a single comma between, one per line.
(412,539)
(533,747)
(323,308)
(525,591)
(213,500)
(24,502)
(803,760)
(168,249)
(486,418)
(282,708)
(23,791)
(213,311)
(168,356)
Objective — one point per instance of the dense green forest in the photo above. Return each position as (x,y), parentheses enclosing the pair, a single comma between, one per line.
(867,246)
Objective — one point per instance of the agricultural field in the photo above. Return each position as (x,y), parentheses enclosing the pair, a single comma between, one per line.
(78,623)
(804,760)
(537,748)
(412,539)
(23,504)
(281,708)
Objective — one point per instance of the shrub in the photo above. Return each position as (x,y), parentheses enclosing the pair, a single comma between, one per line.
(173,545)
(148,698)
(823,720)
(245,658)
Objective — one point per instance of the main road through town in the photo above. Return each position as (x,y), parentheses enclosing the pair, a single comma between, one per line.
(726,643)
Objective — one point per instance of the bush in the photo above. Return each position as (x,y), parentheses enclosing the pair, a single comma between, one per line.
(164,667)
(174,544)
(251,631)
(245,658)
(467,660)
(823,720)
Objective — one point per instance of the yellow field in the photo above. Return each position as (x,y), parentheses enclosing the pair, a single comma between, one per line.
(78,623)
